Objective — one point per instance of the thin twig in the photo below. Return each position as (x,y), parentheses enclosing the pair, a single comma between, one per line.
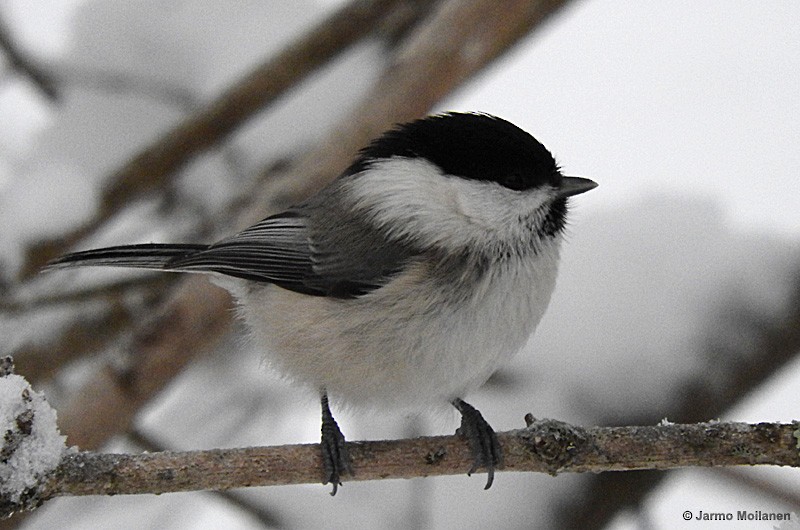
(545,446)
(126,84)
(42,359)
(110,290)
(23,63)
(785,495)
(268,516)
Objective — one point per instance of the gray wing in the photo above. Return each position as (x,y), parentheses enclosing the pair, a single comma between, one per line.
(318,254)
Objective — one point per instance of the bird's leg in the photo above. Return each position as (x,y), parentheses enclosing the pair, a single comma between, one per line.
(334,451)
(483,442)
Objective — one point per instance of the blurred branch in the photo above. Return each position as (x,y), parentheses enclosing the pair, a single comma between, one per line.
(545,446)
(26,65)
(459,39)
(784,495)
(124,83)
(111,290)
(764,347)
(193,319)
(151,168)
(43,359)
(127,301)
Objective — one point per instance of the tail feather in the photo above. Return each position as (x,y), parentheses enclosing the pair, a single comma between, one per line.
(146,256)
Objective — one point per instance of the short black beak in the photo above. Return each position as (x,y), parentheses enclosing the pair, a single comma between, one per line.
(574,185)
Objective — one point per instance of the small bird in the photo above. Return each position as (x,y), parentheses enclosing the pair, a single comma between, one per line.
(407,281)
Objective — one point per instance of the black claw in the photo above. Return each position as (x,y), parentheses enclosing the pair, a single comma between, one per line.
(482,439)
(335,457)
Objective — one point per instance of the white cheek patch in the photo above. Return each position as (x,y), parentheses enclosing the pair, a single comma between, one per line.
(413,200)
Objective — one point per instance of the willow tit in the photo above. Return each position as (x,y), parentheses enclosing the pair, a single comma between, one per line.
(407,281)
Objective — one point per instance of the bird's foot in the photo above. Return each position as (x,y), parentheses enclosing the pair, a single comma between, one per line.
(335,457)
(486,450)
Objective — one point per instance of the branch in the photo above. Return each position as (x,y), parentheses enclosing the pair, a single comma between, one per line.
(458,40)
(26,65)
(196,317)
(259,509)
(125,84)
(785,494)
(545,446)
(94,330)
(150,169)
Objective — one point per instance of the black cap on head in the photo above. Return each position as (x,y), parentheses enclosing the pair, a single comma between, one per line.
(470,146)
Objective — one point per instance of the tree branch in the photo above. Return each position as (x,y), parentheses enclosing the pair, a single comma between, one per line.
(25,64)
(545,446)
(150,168)
(459,39)
(42,359)
(259,509)
(195,317)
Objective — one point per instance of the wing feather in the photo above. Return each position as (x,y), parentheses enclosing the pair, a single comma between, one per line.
(308,255)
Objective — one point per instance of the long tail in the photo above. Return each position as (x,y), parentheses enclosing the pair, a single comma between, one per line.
(147,256)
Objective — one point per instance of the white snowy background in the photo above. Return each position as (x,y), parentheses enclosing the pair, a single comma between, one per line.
(687,115)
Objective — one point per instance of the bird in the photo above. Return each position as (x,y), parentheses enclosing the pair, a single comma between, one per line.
(405,282)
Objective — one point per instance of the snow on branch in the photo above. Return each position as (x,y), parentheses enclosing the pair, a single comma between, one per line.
(31,447)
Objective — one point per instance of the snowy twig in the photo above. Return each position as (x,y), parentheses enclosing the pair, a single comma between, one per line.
(545,446)
(31,448)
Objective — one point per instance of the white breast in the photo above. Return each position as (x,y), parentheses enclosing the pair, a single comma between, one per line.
(406,344)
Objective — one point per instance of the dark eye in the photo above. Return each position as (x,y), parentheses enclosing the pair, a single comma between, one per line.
(514,181)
